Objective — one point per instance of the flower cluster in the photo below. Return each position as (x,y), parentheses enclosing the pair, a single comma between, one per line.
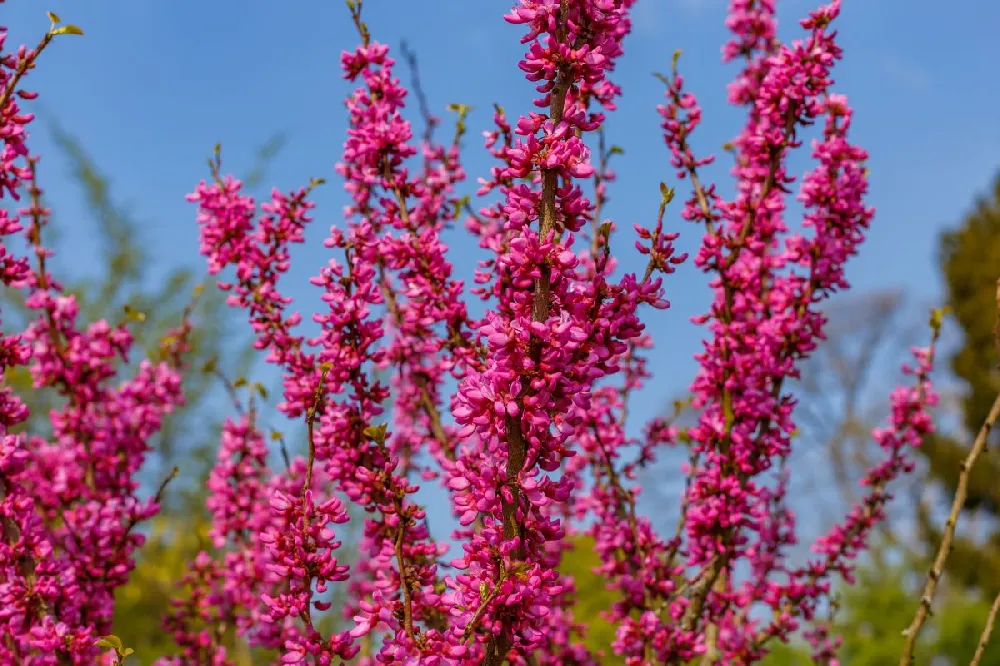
(69,503)
(521,413)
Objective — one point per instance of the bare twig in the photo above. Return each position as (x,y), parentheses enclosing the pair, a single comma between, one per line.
(430,122)
(944,550)
(314,408)
(984,638)
(937,568)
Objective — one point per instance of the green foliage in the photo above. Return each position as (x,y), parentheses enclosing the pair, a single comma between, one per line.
(140,606)
(877,609)
(970,265)
(592,597)
(113,643)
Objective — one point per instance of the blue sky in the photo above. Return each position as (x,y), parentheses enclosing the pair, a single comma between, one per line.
(155,84)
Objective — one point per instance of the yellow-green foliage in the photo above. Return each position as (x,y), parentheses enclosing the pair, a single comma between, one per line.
(592,597)
(141,604)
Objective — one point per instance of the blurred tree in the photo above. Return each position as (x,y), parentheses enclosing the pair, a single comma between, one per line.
(970,265)
(130,284)
(842,394)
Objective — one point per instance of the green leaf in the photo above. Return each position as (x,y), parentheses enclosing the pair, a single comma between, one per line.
(133,314)
(110,641)
(605,231)
(666,193)
(937,317)
(377,433)
(67,30)
(127,651)
(54,18)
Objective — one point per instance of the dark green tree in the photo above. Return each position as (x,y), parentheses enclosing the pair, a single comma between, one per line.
(970,265)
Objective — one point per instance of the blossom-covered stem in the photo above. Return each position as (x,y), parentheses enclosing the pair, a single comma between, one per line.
(26,62)
(42,279)
(426,402)
(682,116)
(517,447)
(658,258)
(784,87)
(69,502)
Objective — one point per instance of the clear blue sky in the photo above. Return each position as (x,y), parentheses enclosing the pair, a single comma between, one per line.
(155,83)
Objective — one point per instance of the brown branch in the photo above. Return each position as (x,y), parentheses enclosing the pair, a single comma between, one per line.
(517,446)
(134,520)
(599,199)
(355,8)
(984,638)
(944,550)
(401,561)
(228,385)
(486,599)
(430,122)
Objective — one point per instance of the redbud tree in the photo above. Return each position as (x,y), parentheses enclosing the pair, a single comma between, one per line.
(532,446)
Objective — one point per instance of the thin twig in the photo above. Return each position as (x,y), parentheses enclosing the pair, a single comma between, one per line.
(401,561)
(944,550)
(318,394)
(984,638)
(934,575)
(430,122)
